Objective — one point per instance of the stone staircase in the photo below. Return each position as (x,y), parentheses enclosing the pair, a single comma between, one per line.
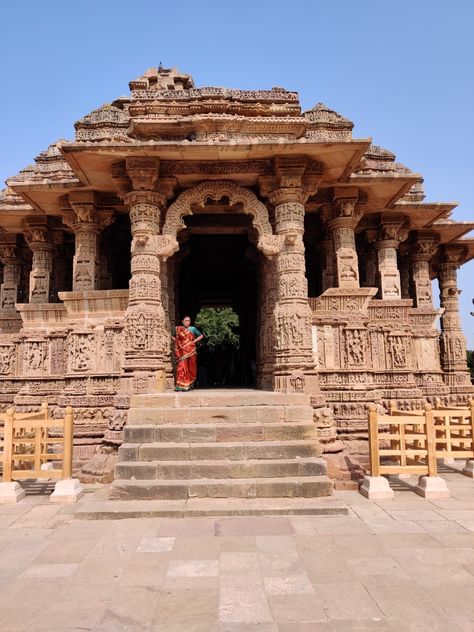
(220,444)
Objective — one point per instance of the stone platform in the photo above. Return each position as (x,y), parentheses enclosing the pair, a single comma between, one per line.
(220,444)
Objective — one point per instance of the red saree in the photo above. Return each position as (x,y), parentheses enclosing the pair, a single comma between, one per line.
(186,367)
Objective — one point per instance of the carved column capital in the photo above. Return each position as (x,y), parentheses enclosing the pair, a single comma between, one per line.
(296,178)
(452,256)
(37,233)
(423,246)
(344,212)
(143,172)
(10,252)
(143,197)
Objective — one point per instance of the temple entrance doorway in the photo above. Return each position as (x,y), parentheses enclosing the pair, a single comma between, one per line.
(216,280)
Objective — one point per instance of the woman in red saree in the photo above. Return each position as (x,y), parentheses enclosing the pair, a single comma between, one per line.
(186,357)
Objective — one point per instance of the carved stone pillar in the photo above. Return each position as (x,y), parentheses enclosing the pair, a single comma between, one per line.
(389,236)
(39,239)
(295,179)
(87,223)
(146,331)
(10,256)
(453,342)
(292,312)
(341,218)
(421,250)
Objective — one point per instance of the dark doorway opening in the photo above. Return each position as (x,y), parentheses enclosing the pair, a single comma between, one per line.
(220,271)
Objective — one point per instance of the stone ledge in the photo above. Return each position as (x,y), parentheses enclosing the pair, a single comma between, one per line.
(123,509)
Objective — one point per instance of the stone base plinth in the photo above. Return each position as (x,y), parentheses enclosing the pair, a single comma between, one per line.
(11,493)
(469,468)
(433,487)
(376,488)
(69,490)
(448,462)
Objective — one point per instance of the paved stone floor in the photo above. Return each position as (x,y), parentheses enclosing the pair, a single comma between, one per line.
(400,565)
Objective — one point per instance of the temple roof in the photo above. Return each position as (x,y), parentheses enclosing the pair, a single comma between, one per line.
(206,132)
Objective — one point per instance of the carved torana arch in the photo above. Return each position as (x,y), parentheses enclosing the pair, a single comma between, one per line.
(268,243)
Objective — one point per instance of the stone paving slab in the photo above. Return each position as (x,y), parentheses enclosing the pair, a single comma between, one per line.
(385,566)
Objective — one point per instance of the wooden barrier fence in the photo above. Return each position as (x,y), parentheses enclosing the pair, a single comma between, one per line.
(27,441)
(412,441)
(453,429)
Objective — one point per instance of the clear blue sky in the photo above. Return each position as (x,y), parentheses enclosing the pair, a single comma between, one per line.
(401,70)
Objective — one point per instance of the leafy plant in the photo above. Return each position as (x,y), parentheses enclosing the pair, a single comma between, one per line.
(217,324)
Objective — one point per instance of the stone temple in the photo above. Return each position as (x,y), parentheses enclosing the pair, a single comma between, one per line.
(175,197)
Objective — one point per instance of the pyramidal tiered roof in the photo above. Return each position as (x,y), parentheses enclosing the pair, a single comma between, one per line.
(167,116)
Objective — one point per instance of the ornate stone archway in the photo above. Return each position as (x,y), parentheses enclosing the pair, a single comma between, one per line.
(268,243)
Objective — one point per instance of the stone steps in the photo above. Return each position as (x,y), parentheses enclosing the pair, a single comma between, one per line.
(196,433)
(219,414)
(236,451)
(221,444)
(229,398)
(220,469)
(210,507)
(291,487)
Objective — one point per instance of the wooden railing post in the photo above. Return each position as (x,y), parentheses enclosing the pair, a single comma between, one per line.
(8,446)
(470,405)
(430,441)
(374,441)
(67,439)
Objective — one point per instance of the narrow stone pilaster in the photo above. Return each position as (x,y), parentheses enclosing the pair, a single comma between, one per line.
(421,249)
(39,238)
(453,342)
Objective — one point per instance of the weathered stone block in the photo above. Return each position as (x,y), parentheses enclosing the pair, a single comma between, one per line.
(139,471)
(219,451)
(127,452)
(163,452)
(138,434)
(244,432)
(298,413)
